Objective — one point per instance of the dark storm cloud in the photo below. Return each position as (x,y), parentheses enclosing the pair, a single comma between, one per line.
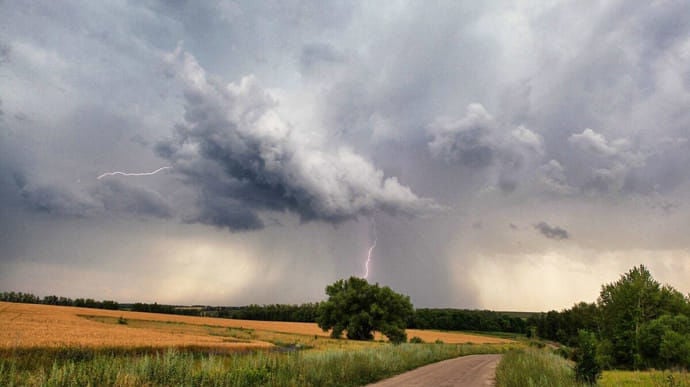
(234,146)
(51,199)
(228,213)
(553,110)
(105,197)
(116,196)
(551,232)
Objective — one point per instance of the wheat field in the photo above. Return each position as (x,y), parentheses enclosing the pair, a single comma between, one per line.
(32,325)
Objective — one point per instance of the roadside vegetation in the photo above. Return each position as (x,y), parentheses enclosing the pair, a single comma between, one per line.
(532,367)
(337,367)
(636,324)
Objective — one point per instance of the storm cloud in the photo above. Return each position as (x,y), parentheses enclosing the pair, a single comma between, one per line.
(236,148)
(297,125)
(551,232)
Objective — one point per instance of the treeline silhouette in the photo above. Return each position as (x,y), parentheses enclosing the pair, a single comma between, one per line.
(467,320)
(426,318)
(29,298)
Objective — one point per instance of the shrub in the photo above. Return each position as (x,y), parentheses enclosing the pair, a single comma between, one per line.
(587,369)
(416,340)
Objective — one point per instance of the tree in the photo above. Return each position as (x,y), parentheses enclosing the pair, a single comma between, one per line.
(586,368)
(627,305)
(360,308)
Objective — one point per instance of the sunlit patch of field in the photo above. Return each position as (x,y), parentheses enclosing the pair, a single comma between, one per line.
(430,336)
(30,325)
(645,378)
(27,325)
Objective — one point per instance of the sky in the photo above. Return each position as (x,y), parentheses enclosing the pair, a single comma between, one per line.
(506,155)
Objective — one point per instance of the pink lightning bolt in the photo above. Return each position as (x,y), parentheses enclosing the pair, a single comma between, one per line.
(371,249)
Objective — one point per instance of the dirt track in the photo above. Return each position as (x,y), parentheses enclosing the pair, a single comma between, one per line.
(466,371)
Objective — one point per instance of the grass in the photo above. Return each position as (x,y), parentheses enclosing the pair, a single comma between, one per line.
(311,368)
(645,378)
(532,367)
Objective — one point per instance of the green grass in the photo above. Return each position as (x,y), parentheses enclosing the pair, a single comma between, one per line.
(532,367)
(645,378)
(301,368)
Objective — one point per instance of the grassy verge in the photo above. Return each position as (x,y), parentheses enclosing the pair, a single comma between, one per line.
(645,378)
(309,368)
(534,367)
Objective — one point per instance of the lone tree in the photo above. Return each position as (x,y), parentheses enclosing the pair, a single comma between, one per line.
(360,308)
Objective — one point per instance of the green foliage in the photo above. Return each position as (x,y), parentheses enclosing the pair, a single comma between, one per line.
(587,369)
(626,306)
(174,368)
(639,323)
(467,320)
(360,308)
(122,321)
(534,368)
(416,340)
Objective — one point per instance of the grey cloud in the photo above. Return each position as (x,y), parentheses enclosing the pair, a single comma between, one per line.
(553,178)
(5,53)
(105,197)
(593,142)
(227,213)
(616,158)
(318,55)
(467,140)
(478,141)
(234,145)
(116,196)
(551,232)
(55,200)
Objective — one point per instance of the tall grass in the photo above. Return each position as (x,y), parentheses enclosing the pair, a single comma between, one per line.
(324,368)
(645,378)
(534,368)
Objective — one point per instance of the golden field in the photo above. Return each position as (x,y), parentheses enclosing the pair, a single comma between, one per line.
(31,325)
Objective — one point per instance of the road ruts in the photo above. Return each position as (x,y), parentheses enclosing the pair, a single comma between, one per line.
(465,371)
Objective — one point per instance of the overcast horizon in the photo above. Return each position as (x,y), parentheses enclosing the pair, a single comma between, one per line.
(505,155)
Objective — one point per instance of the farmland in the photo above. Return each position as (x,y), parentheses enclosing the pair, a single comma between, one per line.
(56,345)
(30,325)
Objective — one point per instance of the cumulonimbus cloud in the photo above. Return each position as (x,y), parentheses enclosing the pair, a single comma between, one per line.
(244,158)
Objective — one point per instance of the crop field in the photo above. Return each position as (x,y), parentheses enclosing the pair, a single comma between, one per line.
(43,345)
(32,325)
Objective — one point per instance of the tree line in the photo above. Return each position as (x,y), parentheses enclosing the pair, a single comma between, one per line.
(424,318)
(466,320)
(29,298)
(635,323)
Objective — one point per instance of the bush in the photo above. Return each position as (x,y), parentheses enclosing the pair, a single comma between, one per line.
(587,369)
(416,340)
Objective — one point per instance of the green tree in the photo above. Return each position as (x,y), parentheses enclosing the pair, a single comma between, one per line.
(360,308)
(626,306)
(586,369)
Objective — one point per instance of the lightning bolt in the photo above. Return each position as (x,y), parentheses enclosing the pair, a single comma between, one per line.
(371,249)
(132,174)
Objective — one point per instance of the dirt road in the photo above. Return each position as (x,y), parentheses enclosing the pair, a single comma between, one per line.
(466,371)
